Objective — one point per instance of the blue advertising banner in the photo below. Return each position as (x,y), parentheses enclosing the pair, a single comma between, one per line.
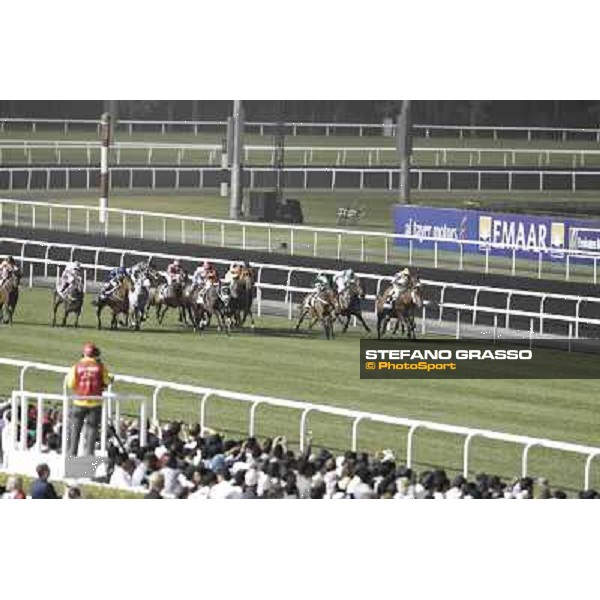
(497,233)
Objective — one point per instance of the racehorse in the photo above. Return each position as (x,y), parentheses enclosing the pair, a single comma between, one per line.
(156,280)
(9,296)
(348,304)
(242,295)
(138,299)
(213,303)
(171,296)
(117,301)
(403,309)
(322,308)
(71,300)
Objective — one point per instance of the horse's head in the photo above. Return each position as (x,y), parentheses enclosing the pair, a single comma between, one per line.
(417,294)
(356,288)
(226,294)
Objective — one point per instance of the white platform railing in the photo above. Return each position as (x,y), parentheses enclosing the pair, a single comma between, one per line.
(539,318)
(339,243)
(21,399)
(202,394)
(303,128)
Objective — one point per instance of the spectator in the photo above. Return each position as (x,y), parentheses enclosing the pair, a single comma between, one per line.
(53,443)
(157,483)
(170,473)
(121,476)
(73,492)
(147,465)
(88,379)
(14,489)
(41,488)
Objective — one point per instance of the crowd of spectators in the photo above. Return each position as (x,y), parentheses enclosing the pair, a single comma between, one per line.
(181,461)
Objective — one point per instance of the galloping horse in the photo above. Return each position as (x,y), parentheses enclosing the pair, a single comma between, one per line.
(117,301)
(171,296)
(71,300)
(321,307)
(213,303)
(156,280)
(348,304)
(138,298)
(242,295)
(403,309)
(9,295)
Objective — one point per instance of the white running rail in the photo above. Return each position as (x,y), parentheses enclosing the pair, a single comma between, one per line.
(310,128)
(122,153)
(339,243)
(301,178)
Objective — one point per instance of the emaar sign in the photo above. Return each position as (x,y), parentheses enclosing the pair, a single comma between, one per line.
(497,233)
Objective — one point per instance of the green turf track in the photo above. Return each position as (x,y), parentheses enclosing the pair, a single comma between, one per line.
(320,210)
(274,362)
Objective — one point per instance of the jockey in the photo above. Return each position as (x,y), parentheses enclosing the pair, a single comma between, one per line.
(401,283)
(174,270)
(343,279)
(115,277)
(72,272)
(205,274)
(321,283)
(8,267)
(235,270)
(139,269)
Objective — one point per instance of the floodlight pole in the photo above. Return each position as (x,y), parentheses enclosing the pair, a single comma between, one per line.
(236,160)
(105,131)
(404,145)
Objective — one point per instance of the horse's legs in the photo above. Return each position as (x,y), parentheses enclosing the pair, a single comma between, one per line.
(65,315)
(382,322)
(345,328)
(55,308)
(363,322)
(98,317)
(302,316)
(313,321)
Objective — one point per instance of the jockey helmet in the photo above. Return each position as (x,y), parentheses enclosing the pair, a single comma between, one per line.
(77,265)
(176,263)
(91,350)
(405,271)
(349,273)
(10,260)
(207,265)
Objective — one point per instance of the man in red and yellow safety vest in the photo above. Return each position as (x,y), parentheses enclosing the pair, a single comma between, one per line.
(88,378)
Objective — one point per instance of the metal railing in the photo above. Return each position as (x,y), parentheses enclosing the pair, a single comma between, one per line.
(324,242)
(266,153)
(21,399)
(387,128)
(300,178)
(254,401)
(539,320)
